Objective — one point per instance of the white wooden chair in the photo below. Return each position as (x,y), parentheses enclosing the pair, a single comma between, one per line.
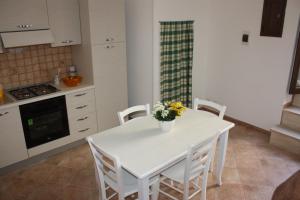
(110,175)
(201,102)
(194,167)
(128,111)
(219,108)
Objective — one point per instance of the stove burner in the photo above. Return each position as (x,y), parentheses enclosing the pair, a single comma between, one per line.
(22,94)
(32,91)
(42,89)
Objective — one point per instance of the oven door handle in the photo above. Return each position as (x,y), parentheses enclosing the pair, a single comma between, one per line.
(81,107)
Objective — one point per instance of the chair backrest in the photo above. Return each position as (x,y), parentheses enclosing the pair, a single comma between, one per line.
(108,169)
(201,102)
(198,161)
(126,112)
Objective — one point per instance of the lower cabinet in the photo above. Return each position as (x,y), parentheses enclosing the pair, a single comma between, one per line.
(110,78)
(82,114)
(12,141)
(82,119)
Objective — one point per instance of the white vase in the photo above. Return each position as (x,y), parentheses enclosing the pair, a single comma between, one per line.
(166,126)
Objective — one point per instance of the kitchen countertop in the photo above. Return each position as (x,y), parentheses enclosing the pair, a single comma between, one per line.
(9,101)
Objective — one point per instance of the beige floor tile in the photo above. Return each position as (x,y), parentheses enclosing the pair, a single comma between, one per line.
(78,193)
(247,162)
(252,176)
(258,192)
(230,192)
(230,175)
(252,170)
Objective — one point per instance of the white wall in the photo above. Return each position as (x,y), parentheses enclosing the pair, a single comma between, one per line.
(177,10)
(251,80)
(139,17)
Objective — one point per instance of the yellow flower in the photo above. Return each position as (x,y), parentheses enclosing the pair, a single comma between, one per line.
(177,107)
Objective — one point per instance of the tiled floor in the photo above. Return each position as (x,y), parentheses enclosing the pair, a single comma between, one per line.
(252,171)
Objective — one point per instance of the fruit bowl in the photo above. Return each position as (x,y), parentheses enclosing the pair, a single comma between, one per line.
(72,81)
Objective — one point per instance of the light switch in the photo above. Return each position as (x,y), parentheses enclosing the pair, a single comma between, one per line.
(245,38)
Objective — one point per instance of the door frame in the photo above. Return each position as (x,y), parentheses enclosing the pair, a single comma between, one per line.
(296,66)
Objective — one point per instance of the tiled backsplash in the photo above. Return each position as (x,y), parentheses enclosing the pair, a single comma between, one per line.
(33,64)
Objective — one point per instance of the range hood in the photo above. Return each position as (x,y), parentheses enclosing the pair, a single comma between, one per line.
(26,38)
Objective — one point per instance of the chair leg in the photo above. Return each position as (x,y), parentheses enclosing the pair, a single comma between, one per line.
(155,190)
(211,167)
(204,186)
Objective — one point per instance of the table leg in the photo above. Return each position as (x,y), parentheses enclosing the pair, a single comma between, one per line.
(222,148)
(143,185)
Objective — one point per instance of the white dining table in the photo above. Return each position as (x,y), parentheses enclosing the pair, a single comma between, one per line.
(145,151)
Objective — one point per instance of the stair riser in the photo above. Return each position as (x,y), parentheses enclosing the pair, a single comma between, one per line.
(296,101)
(285,142)
(291,120)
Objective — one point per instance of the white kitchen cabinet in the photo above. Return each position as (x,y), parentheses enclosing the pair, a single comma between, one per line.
(102,57)
(81,114)
(107,21)
(20,15)
(110,78)
(64,22)
(12,140)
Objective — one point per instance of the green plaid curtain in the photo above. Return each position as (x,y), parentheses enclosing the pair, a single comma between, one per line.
(176,60)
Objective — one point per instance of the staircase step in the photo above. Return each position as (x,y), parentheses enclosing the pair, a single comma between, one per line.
(296,101)
(286,138)
(293,109)
(286,131)
(291,118)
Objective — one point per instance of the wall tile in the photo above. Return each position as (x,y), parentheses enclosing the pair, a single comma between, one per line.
(33,65)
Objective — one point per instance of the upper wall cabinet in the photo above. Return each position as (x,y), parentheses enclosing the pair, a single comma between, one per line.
(64,21)
(107,18)
(20,15)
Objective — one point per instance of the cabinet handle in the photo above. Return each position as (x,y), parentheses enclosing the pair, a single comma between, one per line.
(67,41)
(109,46)
(82,119)
(84,130)
(81,107)
(2,114)
(79,95)
(107,39)
(25,26)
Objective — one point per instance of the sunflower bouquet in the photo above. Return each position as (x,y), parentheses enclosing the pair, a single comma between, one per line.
(168,111)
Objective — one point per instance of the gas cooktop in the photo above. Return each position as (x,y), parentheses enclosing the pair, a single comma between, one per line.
(32,91)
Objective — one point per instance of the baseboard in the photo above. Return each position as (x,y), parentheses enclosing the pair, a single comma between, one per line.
(236,121)
(39,158)
(239,122)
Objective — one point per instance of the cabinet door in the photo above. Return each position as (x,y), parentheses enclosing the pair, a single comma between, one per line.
(107,21)
(64,21)
(12,140)
(20,15)
(110,78)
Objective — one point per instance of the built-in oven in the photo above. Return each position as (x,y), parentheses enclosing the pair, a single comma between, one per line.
(44,121)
